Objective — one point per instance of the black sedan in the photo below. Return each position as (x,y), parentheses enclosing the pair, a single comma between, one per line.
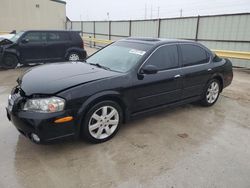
(128,78)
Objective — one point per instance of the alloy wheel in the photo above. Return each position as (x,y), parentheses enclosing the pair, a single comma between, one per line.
(212,92)
(73,57)
(103,122)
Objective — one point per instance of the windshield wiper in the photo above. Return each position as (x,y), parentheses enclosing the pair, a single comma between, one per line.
(100,66)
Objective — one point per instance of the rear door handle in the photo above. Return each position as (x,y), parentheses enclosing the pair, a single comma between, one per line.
(209,70)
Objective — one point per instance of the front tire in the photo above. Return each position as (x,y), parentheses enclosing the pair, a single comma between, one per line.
(10,61)
(102,122)
(212,93)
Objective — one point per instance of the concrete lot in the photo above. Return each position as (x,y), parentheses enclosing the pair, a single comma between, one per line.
(188,146)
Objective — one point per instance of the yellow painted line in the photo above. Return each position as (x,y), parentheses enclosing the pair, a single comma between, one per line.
(97,40)
(233,54)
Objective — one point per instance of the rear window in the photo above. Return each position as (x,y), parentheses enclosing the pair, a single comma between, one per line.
(75,36)
(193,55)
(58,36)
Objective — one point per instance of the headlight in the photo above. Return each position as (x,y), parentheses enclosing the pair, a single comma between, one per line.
(45,105)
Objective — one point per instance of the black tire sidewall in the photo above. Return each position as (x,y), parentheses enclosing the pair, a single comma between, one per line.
(204,101)
(14,60)
(85,129)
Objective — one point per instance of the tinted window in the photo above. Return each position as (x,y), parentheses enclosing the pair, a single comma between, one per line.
(36,37)
(193,55)
(165,57)
(57,36)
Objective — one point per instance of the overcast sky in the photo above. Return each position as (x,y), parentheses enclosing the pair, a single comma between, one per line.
(140,9)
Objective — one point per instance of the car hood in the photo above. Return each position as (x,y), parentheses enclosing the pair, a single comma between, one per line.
(4,42)
(53,78)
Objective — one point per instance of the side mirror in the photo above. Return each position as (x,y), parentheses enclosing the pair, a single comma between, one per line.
(24,41)
(149,69)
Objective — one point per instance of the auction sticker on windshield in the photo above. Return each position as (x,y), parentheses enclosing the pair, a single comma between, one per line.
(137,52)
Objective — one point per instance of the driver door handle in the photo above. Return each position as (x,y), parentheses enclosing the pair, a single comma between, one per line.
(177,76)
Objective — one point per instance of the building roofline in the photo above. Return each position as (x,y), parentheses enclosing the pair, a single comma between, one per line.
(59,1)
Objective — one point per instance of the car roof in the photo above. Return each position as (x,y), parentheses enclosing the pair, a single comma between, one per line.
(156,41)
(50,31)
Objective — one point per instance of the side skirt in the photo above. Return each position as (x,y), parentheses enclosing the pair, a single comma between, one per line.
(159,108)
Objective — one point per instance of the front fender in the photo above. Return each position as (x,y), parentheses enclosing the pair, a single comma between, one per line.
(12,51)
(105,94)
(9,51)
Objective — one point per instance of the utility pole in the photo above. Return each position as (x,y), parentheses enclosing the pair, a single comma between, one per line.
(180,12)
(158,12)
(108,15)
(151,14)
(145,11)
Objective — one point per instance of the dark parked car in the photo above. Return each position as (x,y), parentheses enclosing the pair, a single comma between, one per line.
(41,46)
(128,78)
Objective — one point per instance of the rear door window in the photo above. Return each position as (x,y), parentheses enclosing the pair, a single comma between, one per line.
(57,36)
(165,57)
(193,55)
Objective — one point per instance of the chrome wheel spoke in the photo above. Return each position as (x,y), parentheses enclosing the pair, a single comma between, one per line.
(108,130)
(104,111)
(111,114)
(113,122)
(96,117)
(94,126)
(99,132)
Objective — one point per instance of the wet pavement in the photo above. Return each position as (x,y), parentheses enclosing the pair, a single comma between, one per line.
(188,146)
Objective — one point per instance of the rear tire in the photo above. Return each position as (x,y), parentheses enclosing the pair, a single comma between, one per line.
(10,61)
(211,93)
(102,122)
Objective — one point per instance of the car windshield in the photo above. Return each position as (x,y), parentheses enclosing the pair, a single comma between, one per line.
(16,36)
(120,56)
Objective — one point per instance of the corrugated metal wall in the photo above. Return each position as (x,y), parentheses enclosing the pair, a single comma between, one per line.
(102,28)
(178,28)
(144,28)
(222,32)
(76,26)
(225,27)
(119,28)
